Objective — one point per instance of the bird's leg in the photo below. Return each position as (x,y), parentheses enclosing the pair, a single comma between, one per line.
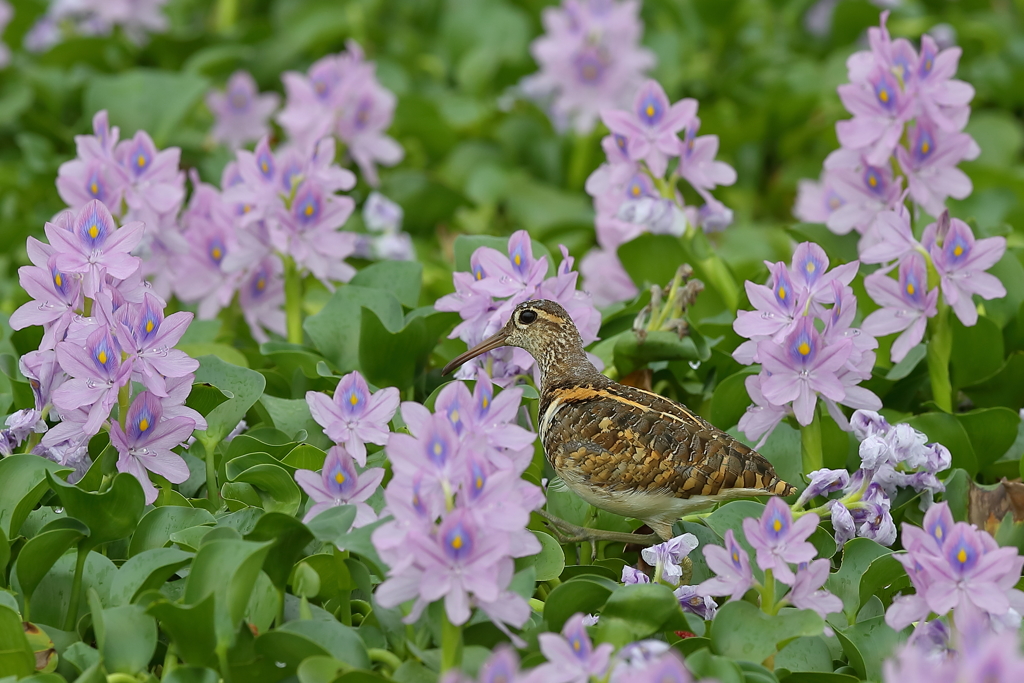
(565,532)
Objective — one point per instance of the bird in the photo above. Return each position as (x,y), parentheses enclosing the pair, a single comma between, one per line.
(622,449)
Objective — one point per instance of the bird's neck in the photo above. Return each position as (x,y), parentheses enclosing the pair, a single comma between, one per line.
(565,362)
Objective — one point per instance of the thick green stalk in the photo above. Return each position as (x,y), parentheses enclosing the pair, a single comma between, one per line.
(210,446)
(451,644)
(940,349)
(768,592)
(292,299)
(810,445)
(76,589)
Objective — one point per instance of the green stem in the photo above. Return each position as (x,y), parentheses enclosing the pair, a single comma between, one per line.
(87,308)
(124,400)
(210,446)
(76,589)
(388,659)
(768,592)
(451,644)
(225,15)
(810,445)
(170,661)
(940,349)
(714,268)
(222,661)
(579,162)
(292,299)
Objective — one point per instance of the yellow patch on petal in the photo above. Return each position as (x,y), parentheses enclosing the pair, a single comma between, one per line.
(961,556)
(149,326)
(454,417)
(94,189)
(479,483)
(457,542)
(777,525)
(782,293)
(141,161)
(261,284)
(804,349)
(309,210)
(910,288)
(102,357)
(810,267)
(353,399)
(438,448)
(216,253)
(735,556)
(649,111)
(938,532)
(958,250)
(925,147)
(94,231)
(519,260)
(884,95)
(58,280)
(143,424)
(340,478)
(576,645)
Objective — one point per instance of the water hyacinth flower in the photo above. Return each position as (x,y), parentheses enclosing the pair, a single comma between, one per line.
(241,113)
(147,338)
(572,656)
(589,60)
(97,374)
(95,247)
(146,442)
(780,540)
(501,667)
(355,416)
(651,128)
(906,304)
(694,601)
(137,19)
(668,557)
(731,565)
(961,260)
(56,295)
(805,593)
(340,484)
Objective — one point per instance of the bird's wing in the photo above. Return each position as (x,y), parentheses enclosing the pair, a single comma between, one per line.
(621,438)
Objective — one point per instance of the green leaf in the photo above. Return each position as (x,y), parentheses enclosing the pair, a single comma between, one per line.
(16,658)
(288,537)
(204,397)
(335,330)
(991,432)
(907,365)
(291,357)
(146,99)
(742,631)
(652,259)
(584,594)
(191,627)
(190,674)
(807,653)
(305,457)
(228,354)
(643,607)
(111,515)
(977,351)
(276,487)
(706,665)
(319,669)
(730,401)
(401,278)
(883,578)
(731,516)
(1002,388)
(340,641)
(395,356)
(226,569)
(41,551)
(947,430)
(22,485)
(125,635)
(292,417)
(157,525)
(549,562)
(631,352)
(867,644)
(5,556)
(149,569)
(858,554)
(333,524)
(51,597)
(244,387)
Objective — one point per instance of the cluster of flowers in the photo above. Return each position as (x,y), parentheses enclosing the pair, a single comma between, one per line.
(892,457)
(631,192)
(137,18)
(459,506)
(590,60)
(340,96)
(241,114)
(799,362)
(779,541)
(893,90)
(497,283)
(572,658)
(949,250)
(668,560)
(104,330)
(354,417)
(960,568)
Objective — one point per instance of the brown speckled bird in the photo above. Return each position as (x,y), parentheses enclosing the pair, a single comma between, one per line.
(620,448)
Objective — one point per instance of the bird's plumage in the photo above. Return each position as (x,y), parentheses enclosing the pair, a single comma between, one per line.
(623,449)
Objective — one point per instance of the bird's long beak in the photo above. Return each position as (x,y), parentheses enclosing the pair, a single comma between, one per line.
(483,347)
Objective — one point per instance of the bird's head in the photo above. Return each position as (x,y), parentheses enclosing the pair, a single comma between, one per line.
(541,327)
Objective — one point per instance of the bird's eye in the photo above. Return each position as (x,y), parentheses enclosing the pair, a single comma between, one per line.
(527,316)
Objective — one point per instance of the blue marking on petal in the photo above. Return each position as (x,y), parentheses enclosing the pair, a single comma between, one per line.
(651,110)
(874,181)
(307,208)
(339,478)
(458,542)
(216,250)
(265,163)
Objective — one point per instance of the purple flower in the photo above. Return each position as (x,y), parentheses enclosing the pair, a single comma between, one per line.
(805,593)
(843,525)
(95,247)
(355,416)
(865,189)
(240,113)
(21,423)
(906,304)
(763,416)
(308,232)
(692,600)
(432,451)
(146,443)
(880,108)
(261,298)
(147,338)
(156,185)
(697,164)
(340,484)
(823,482)
(43,373)
(732,566)
(930,164)
(802,368)
(513,274)
(816,201)
(942,98)
(56,295)
(632,575)
(669,668)
(652,127)
(779,540)
(668,556)
(572,657)
(590,60)
(605,278)
(97,374)
(501,667)
(961,261)
(380,214)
